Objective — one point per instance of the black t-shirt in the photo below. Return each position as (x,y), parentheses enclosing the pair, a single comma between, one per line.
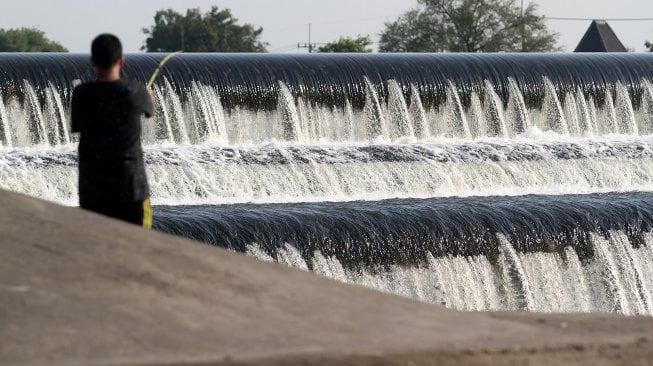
(108,117)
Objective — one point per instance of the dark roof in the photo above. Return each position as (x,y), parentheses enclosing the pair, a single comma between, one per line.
(600,38)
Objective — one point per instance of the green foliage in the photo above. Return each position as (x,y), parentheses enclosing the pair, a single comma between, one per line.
(468,26)
(348,44)
(414,31)
(649,45)
(27,40)
(215,31)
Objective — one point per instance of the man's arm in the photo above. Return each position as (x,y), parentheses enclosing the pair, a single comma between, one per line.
(147,103)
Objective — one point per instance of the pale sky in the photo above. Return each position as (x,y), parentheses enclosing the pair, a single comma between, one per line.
(74,23)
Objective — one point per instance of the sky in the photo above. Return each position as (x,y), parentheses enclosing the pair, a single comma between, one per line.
(285,23)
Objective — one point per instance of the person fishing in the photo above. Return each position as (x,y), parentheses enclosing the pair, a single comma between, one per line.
(107,114)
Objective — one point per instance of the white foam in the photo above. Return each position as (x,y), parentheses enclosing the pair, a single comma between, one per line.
(198,116)
(282,172)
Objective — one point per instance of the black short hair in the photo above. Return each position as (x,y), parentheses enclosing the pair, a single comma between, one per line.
(106,50)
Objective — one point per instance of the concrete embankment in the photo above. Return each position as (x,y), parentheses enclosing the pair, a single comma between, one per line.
(78,289)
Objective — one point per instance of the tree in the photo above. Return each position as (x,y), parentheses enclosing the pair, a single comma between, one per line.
(468,26)
(27,40)
(414,31)
(649,45)
(348,44)
(215,31)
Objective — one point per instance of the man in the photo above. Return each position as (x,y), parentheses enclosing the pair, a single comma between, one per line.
(107,114)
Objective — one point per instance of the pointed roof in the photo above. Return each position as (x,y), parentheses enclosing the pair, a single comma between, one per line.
(600,38)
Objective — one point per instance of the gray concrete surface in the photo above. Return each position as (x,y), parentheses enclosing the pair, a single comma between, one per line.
(80,289)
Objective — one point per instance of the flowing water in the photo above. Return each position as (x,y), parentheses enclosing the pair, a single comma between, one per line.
(479,182)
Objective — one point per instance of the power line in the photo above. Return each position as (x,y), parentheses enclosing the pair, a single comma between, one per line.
(283,48)
(606,19)
(291,27)
(328,22)
(352,20)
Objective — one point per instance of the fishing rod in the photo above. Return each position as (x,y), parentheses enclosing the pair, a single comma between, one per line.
(158,69)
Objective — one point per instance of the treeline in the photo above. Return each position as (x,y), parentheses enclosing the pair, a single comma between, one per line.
(27,40)
(432,26)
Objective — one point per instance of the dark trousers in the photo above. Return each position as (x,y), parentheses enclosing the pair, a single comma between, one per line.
(139,213)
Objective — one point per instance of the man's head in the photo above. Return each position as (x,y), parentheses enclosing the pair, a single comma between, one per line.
(106,51)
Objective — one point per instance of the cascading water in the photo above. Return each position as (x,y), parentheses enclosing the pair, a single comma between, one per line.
(475,181)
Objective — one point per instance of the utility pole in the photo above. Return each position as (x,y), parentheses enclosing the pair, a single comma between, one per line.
(308,45)
(182,36)
(523,30)
(181,25)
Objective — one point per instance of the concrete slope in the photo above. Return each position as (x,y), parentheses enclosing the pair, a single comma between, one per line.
(78,289)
